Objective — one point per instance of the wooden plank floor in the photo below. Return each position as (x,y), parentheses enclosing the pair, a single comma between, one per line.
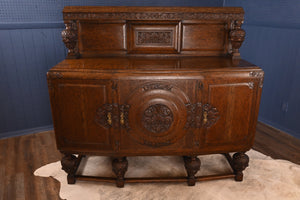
(21,156)
(277,144)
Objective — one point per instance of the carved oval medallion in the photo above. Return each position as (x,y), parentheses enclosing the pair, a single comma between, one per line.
(157,118)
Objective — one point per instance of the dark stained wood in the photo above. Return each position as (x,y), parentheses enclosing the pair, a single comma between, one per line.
(228,95)
(154,81)
(183,31)
(155,179)
(192,166)
(119,167)
(70,164)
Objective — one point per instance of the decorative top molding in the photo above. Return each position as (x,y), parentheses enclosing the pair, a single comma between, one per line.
(132,9)
(155,16)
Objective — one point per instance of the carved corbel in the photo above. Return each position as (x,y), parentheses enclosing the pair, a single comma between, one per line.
(237,36)
(70,38)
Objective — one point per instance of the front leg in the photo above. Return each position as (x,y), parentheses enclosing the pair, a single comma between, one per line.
(70,164)
(120,166)
(192,166)
(239,162)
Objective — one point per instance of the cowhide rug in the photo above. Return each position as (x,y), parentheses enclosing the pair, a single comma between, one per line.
(265,178)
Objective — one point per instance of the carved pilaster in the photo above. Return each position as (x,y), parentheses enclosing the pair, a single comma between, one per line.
(120,166)
(70,38)
(237,36)
(192,166)
(239,163)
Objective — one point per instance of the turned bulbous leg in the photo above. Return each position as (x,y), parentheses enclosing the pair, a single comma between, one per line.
(192,166)
(120,166)
(69,165)
(239,163)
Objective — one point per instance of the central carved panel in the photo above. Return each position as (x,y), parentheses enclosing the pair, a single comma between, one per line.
(157,118)
(154,37)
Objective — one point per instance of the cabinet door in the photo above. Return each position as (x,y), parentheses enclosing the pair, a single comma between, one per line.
(234,117)
(157,116)
(76,106)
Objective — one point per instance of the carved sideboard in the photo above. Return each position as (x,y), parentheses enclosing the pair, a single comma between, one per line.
(154,81)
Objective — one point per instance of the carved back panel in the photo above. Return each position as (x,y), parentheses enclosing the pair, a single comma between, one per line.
(98,31)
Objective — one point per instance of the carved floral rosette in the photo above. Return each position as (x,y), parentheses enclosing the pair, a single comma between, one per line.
(157,118)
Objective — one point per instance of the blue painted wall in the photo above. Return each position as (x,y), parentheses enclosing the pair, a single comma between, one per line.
(30,44)
(273,43)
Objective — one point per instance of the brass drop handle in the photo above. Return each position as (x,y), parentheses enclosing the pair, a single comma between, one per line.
(109,120)
(205,117)
(122,118)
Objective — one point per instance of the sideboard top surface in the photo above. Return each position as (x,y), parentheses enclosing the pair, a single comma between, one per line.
(152,64)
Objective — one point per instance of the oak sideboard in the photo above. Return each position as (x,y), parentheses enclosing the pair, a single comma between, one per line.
(154,81)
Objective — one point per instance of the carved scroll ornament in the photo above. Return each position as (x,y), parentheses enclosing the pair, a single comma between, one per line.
(113,115)
(154,37)
(210,115)
(156,86)
(201,115)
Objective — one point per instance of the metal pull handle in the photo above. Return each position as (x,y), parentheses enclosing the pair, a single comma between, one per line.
(205,117)
(122,118)
(109,120)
